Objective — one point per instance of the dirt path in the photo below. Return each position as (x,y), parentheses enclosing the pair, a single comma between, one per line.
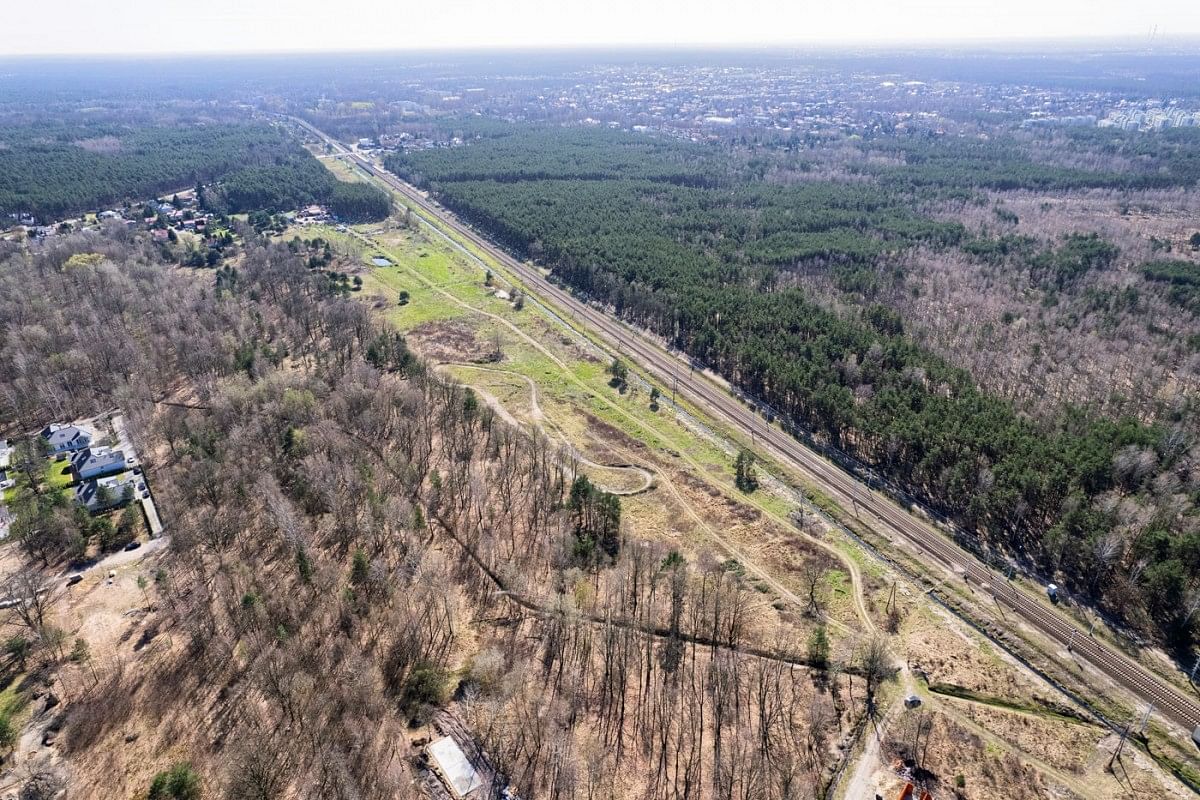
(860,782)
(550,430)
(1046,768)
(851,567)
(653,475)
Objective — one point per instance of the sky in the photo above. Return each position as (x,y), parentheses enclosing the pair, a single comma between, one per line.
(140,27)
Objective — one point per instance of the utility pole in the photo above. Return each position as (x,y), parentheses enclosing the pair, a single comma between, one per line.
(1125,735)
(1145,719)
(1120,744)
(1071,643)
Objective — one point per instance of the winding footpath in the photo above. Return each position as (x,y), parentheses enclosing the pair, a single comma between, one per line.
(552,431)
(879,509)
(728,548)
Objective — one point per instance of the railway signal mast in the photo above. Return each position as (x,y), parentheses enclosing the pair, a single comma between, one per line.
(1125,735)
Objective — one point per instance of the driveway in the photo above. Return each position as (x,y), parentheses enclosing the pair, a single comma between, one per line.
(148,507)
(123,557)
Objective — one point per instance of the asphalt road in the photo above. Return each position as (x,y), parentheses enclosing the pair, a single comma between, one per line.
(881,512)
(147,502)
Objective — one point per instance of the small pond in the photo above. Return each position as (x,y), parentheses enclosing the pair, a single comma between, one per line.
(380,261)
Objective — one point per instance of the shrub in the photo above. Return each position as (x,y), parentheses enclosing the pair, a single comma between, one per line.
(8,731)
(180,782)
(426,686)
(818,647)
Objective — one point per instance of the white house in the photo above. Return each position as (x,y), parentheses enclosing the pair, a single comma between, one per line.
(453,767)
(66,438)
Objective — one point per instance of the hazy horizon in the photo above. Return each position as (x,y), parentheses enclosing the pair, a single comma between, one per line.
(258,27)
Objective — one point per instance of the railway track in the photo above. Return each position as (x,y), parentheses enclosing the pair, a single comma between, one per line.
(842,485)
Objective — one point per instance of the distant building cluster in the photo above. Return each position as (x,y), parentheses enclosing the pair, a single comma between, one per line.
(1076,121)
(182,214)
(776,100)
(1151,119)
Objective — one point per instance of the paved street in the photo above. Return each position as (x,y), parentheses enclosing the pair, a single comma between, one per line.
(148,507)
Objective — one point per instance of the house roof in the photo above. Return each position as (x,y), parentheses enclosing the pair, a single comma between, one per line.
(60,435)
(454,766)
(86,493)
(99,459)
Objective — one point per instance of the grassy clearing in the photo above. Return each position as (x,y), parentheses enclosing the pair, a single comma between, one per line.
(1060,713)
(11,700)
(576,389)
(838,583)
(58,474)
(344,171)
(14,709)
(448,269)
(570,371)
(342,242)
(424,305)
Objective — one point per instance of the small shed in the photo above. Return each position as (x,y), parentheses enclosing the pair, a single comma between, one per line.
(453,767)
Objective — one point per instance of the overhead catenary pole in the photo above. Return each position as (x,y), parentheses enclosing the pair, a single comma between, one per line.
(1145,719)
(1120,744)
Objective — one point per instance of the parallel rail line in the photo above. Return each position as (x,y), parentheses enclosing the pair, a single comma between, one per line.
(1169,702)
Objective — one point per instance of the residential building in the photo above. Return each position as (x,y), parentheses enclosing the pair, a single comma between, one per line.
(97,462)
(103,494)
(66,438)
(5,460)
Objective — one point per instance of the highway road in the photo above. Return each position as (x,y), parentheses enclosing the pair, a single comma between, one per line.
(885,515)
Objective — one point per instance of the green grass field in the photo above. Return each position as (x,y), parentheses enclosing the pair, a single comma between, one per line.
(569,368)
(446,285)
(58,474)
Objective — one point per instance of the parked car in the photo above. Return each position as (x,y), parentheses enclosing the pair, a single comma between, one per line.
(134,545)
(74,579)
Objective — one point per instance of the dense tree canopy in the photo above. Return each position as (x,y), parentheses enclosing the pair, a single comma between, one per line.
(961,165)
(717,266)
(1183,278)
(51,172)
